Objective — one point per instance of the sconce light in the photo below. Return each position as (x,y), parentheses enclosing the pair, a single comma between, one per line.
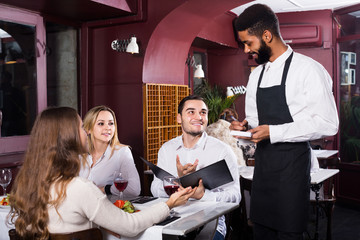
(125,45)
(199,72)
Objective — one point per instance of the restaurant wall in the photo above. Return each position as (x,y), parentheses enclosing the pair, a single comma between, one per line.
(323,18)
(115,78)
(164,37)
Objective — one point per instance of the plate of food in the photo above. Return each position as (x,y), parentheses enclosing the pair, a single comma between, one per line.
(125,205)
(4,203)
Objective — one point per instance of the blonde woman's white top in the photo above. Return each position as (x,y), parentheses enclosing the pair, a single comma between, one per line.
(102,173)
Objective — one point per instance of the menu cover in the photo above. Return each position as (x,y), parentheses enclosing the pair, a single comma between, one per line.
(213,175)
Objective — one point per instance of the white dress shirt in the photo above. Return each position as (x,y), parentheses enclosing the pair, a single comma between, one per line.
(207,150)
(102,173)
(308,95)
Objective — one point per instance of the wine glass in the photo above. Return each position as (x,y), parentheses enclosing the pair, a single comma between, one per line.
(5,178)
(171,184)
(120,183)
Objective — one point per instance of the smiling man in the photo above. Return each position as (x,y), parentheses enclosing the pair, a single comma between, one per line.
(194,150)
(289,101)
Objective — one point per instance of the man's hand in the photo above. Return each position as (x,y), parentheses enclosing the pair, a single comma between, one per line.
(200,191)
(187,168)
(260,133)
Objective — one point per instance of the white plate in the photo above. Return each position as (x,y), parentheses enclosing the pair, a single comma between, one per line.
(2,206)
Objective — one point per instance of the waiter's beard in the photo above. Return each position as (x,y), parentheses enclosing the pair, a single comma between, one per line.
(264,53)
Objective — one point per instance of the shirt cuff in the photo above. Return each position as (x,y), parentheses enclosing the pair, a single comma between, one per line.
(209,196)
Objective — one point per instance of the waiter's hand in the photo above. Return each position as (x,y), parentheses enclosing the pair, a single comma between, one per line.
(239,126)
(187,168)
(260,133)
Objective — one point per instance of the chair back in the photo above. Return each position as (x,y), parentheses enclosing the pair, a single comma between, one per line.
(88,234)
(13,235)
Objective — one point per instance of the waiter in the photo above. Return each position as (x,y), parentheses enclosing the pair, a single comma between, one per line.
(289,102)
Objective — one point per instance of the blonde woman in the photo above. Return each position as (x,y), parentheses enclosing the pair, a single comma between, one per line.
(107,154)
(48,196)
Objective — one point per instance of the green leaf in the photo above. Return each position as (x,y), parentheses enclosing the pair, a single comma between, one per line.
(215,98)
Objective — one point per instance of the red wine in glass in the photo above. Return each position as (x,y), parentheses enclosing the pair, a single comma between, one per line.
(170,189)
(121,185)
(171,184)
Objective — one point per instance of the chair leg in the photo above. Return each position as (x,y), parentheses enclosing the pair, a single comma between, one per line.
(329,206)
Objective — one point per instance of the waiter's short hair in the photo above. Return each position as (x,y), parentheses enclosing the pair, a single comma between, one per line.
(256,19)
(190,97)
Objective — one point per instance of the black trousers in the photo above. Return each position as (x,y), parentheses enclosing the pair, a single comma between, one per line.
(261,233)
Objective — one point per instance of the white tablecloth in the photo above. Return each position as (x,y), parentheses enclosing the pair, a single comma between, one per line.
(4,230)
(155,232)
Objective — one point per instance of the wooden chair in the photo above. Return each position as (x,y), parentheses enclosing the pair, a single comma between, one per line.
(89,234)
(245,184)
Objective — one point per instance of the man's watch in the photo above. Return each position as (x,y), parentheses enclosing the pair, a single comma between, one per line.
(107,189)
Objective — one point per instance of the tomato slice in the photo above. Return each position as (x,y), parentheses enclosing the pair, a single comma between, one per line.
(119,203)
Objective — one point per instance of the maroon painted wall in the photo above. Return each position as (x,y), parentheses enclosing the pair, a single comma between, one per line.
(226,66)
(323,18)
(164,37)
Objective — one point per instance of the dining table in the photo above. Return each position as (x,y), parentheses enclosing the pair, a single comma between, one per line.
(191,216)
(4,229)
(318,176)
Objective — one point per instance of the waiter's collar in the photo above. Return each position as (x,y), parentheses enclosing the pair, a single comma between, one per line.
(280,60)
(200,143)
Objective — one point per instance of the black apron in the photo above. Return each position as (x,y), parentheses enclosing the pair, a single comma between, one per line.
(281,182)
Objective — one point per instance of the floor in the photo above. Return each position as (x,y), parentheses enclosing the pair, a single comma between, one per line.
(345,226)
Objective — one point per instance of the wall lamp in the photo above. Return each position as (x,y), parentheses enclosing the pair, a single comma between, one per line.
(198,73)
(125,45)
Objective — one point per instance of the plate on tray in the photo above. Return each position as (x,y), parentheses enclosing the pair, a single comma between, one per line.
(1,199)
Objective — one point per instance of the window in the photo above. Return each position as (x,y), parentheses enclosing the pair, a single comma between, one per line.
(349,50)
(37,69)
(22,75)
(17,83)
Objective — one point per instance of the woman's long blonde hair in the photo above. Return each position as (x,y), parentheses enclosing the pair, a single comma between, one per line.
(89,123)
(52,157)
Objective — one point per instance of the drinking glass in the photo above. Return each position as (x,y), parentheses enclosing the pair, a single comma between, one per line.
(5,178)
(120,183)
(171,184)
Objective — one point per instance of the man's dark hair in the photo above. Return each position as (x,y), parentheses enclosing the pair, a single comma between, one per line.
(256,19)
(185,99)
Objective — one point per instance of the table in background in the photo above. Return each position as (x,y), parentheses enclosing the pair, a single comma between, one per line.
(327,158)
(317,179)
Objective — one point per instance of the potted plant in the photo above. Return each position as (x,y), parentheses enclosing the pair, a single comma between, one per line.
(215,98)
